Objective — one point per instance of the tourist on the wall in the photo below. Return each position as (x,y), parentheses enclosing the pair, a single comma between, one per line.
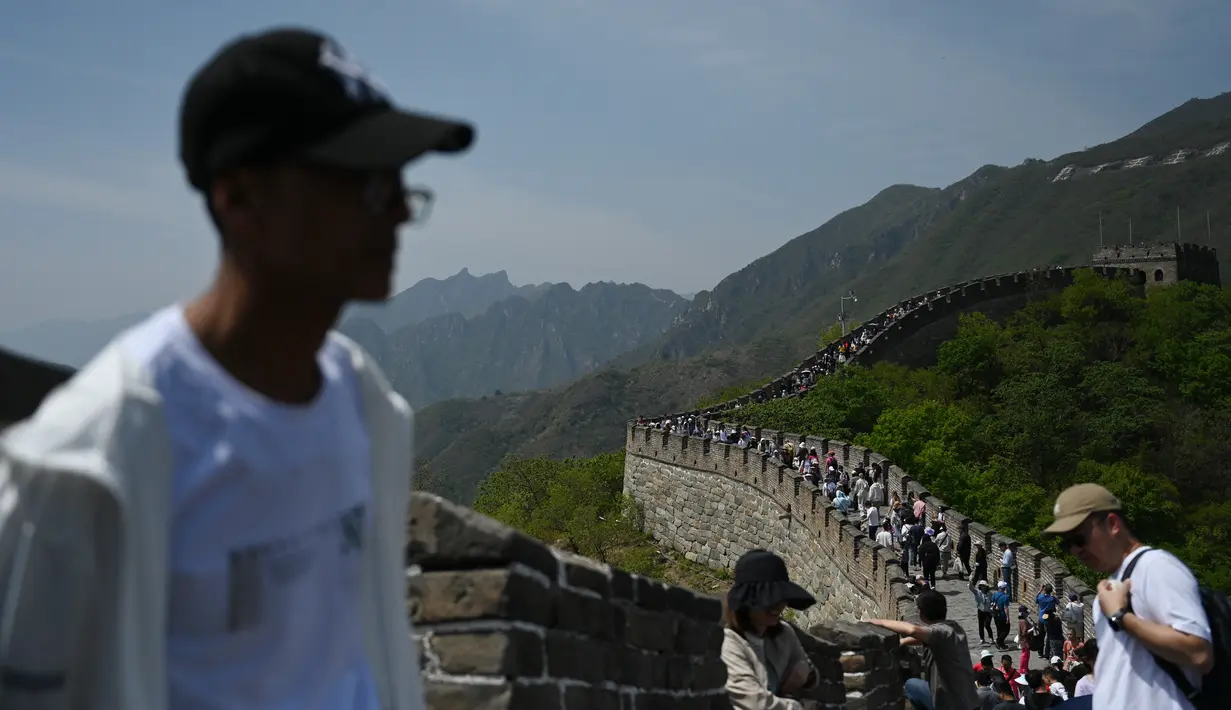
(983,608)
(950,680)
(929,556)
(876,489)
(1036,695)
(766,664)
(980,561)
(963,550)
(860,489)
(1008,561)
(1000,614)
(1150,609)
(1074,616)
(884,538)
(873,516)
(1087,655)
(946,548)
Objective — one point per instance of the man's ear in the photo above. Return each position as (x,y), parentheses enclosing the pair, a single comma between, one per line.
(232,199)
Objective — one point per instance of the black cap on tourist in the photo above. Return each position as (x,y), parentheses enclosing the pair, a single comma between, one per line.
(296,94)
(762,582)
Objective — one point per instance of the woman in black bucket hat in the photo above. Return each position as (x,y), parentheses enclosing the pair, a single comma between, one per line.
(765,661)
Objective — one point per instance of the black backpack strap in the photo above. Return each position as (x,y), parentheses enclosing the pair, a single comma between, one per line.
(1173,670)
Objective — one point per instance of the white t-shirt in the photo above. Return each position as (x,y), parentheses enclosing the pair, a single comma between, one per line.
(874,517)
(1165,592)
(269,506)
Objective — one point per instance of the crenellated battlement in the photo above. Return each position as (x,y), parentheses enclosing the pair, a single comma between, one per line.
(714,501)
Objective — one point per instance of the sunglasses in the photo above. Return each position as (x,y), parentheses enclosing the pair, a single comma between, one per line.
(1081,536)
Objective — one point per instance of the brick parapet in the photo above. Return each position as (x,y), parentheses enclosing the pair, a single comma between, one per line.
(504,621)
(787,502)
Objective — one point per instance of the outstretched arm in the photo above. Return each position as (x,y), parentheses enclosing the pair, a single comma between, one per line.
(920,634)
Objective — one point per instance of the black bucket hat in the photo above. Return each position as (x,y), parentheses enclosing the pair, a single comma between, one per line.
(761,582)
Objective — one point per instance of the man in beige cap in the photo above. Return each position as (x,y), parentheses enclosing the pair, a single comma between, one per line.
(1162,617)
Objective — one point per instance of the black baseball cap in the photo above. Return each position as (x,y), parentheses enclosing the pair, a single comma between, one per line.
(292,93)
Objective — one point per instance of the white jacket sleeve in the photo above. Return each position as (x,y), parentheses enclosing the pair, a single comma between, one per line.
(49,611)
(744,685)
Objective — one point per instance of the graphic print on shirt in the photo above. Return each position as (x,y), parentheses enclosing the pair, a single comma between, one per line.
(256,573)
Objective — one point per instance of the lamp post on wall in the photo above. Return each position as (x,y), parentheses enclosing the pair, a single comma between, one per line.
(850,295)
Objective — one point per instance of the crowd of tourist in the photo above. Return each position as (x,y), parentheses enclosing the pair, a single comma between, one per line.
(1156,652)
(833,356)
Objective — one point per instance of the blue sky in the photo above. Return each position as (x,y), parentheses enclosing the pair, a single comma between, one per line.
(661,141)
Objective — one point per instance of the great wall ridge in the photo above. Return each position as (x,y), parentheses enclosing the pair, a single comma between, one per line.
(932,317)
(712,501)
(504,621)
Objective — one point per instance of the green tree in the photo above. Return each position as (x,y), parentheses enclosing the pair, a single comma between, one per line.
(972,358)
(577,505)
(1096,383)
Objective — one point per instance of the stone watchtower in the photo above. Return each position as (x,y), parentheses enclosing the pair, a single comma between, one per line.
(1164,263)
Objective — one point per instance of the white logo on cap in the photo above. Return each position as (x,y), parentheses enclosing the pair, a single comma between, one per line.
(358,83)
(1056,511)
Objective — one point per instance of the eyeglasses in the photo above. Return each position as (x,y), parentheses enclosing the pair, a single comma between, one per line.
(380,191)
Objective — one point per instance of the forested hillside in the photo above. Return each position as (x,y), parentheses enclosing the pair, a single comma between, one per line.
(1093,384)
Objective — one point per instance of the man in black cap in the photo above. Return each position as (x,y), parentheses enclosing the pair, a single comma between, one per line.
(210,514)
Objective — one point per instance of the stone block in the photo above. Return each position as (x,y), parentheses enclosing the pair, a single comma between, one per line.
(587,575)
(653,631)
(444,535)
(590,698)
(679,673)
(574,657)
(443,695)
(585,615)
(853,636)
(478,594)
(651,594)
(510,653)
(710,674)
(696,606)
(622,585)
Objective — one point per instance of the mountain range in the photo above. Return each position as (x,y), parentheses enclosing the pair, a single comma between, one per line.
(462,336)
(519,343)
(906,240)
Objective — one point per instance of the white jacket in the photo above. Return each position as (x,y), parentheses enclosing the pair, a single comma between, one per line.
(84,527)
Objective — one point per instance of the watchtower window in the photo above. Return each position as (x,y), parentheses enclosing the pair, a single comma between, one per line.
(1158,274)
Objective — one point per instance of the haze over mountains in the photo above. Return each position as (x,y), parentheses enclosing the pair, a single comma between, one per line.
(906,240)
(550,336)
(463,336)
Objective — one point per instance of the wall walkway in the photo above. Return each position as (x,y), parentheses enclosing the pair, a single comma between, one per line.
(714,501)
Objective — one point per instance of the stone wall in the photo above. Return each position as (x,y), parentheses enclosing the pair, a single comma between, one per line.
(913,338)
(504,621)
(714,501)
